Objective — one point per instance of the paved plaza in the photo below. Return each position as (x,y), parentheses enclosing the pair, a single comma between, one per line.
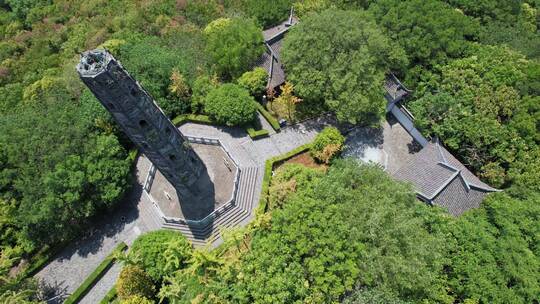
(137,215)
(390,145)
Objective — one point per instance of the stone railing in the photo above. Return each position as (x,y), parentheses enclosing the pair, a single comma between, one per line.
(149,178)
(203,140)
(214,214)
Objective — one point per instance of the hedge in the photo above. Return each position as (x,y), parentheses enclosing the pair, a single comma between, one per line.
(269,166)
(204,119)
(182,119)
(94,277)
(271,119)
(256,134)
(109,297)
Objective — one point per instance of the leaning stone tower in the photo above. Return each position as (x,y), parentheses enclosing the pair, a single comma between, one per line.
(143,121)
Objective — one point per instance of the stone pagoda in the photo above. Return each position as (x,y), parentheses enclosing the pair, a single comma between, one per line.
(144,122)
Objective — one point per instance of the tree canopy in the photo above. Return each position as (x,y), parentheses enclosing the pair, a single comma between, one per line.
(233,44)
(483,111)
(430,31)
(152,252)
(231,105)
(497,253)
(341,57)
(267,12)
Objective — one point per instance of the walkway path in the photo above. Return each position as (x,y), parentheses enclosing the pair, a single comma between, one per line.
(135,215)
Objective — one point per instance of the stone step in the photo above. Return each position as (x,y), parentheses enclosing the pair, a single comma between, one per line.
(249,188)
(241,210)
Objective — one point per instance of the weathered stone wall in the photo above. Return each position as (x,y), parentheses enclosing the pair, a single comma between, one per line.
(142,120)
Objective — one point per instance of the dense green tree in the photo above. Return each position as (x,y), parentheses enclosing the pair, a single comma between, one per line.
(154,250)
(348,76)
(22,7)
(60,172)
(488,10)
(480,112)
(233,44)
(497,258)
(202,12)
(373,296)
(231,105)
(430,31)
(267,12)
(328,237)
(152,65)
(521,35)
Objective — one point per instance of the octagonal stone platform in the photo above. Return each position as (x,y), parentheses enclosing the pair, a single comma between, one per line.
(224,203)
(223,172)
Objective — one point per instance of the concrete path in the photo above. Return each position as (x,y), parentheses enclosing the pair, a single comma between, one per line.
(265,124)
(71,267)
(102,287)
(135,216)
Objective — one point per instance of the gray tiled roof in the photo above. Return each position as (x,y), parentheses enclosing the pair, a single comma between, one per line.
(456,198)
(440,179)
(395,90)
(270,60)
(279,29)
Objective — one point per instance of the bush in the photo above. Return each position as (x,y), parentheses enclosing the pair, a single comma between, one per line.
(150,248)
(137,300)
(133,281)
(109,297)
(327,145)
(202,85)
(182,119)
(231,105)
(254,81)
(267,177)
(256,134)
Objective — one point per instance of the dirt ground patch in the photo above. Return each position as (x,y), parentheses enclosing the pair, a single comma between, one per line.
(304,159)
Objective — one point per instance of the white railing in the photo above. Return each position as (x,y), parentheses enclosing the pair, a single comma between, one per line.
(214,214)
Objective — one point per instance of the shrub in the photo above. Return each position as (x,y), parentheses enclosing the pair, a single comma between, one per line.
(254,81)
(133,281)
(327,144)
(256,134)
(150,250)
(137,300)
(231,105)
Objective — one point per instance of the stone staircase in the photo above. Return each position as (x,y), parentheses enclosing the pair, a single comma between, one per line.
(201,235)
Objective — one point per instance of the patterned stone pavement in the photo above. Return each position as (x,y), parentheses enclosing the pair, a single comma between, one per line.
(135,216)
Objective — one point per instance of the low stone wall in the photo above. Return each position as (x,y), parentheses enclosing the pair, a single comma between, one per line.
(214,214)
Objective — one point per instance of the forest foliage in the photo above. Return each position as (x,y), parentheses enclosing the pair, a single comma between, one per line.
(474,70)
